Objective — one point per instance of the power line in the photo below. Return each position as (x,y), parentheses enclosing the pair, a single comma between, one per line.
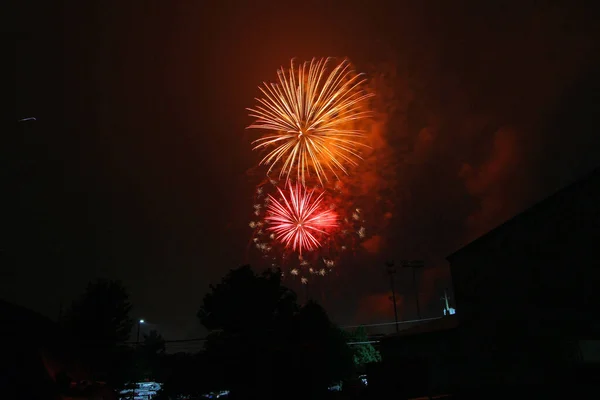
(177,341)
(203,339)
(391,323)
(366,342)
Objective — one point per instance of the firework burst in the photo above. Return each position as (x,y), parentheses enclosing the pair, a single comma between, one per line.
(313,116)
(341,244)
(298,219)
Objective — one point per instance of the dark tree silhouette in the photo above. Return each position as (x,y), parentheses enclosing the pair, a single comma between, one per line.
(101,314)
(248,314)
(246,302)
(321,354)
(263,345)
(99,320)
(153,344)
(150,355)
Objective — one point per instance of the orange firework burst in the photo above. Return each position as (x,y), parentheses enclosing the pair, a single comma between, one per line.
(299,218)
(312,115)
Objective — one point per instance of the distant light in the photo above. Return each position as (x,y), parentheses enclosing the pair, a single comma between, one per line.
(450,311)
(141,321)
(28,119)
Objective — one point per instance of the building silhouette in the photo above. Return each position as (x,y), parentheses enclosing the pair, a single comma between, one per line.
(526,293)
(526,310)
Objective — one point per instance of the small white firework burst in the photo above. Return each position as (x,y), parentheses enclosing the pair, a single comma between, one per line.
(362,232)
(328,263)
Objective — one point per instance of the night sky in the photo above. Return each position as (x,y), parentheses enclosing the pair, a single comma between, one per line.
(136,168)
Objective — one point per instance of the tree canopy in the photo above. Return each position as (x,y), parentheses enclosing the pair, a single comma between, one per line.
(247,302)
(99,320)
(321,354)
(101,314)
(153,343)
(149,356)
(264,344)
(363,353)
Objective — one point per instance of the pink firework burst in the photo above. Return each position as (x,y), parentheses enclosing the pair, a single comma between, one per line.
(299,219)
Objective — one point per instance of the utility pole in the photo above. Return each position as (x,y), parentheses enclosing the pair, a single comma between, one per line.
(414,264)
(137,346)
(137,342)
(391,270)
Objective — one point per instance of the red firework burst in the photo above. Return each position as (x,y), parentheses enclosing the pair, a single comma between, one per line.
(299,219)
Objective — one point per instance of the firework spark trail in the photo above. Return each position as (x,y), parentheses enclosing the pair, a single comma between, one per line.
(312,117)
(299,218)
